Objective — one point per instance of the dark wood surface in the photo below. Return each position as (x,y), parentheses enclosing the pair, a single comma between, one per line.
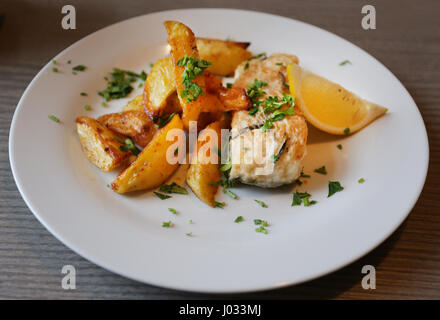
(407,41)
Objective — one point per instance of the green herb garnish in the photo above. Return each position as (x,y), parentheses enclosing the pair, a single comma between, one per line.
(246,66)
(88,107)
(339,146)
(54,69)
(129,145)
(189,234)
(253,111)
(164,120)
(53,118)
(333,187)
(303,175)
(119,86)
(229,85)
(79,68)
(167,224)
(161,196)
(321,170)
(261,203)
(343,63)
(347,131)
(83,94)
(239,219)
(218,204)
(173,188)
(193,68)
(172,210)
(361,180)
(230,193)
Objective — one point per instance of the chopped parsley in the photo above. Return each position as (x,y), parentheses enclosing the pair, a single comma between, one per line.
(361,180)
(303,175)
(189,234)
(164,120)
(218,204)
(261,203)
(239,219)
(255,91)
(53,118)
(253,111)
(275,116)
(229,85)
(321,170)
(246,65)
(173,188)
(280,64)
(193,68)
(161,196)
(262,225)
(274,158)
(347,131)
(54,69)
(88,107)
(119,86)
(258,56)
(129,145)
(230,193)
(339,146)
(83,94)
(103,104)
(343,63)
(167,224)
(191,222)
(172,210)
(302,197)
(69,61)
(79,67)
(333,187)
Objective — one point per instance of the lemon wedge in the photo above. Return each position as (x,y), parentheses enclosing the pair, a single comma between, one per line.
(327,105)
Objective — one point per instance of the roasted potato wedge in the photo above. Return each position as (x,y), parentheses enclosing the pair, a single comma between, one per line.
(160,85)
(137,104)
(151,168)
(100,145)
(224,55)
(183,43)
(200,174)
(134,124)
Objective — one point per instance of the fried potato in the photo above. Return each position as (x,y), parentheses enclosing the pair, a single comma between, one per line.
(230,99)
(183,43)
(136,104)
(160,85)
(224,55)
(134,124)
(151,168)
(100,145)
(200,175)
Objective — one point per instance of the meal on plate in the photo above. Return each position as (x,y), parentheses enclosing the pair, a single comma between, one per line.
(251,130)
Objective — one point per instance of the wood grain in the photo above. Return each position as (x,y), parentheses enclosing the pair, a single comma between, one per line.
(407,41)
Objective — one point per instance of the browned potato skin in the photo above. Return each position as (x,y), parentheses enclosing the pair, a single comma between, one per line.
(151,168)
(100,145)
(224,55)
(183,43)
(134,124)
(200,175)
(231,99)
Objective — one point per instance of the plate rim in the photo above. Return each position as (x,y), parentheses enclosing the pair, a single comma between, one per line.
(256,288)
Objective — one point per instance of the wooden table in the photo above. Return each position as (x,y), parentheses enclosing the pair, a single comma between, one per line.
(407,41)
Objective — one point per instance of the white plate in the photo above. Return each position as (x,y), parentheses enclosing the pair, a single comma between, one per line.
(124,234)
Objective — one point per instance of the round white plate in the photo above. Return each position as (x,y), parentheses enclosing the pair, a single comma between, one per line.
(124,234)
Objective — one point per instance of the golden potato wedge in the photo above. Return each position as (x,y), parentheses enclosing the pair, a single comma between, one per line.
(134,124)
(100,145)
(160,85)
(137,104)
(151,168)
(183,43)
(200,175)
(224,55)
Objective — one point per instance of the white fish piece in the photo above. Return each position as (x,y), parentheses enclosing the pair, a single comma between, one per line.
(272,158)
